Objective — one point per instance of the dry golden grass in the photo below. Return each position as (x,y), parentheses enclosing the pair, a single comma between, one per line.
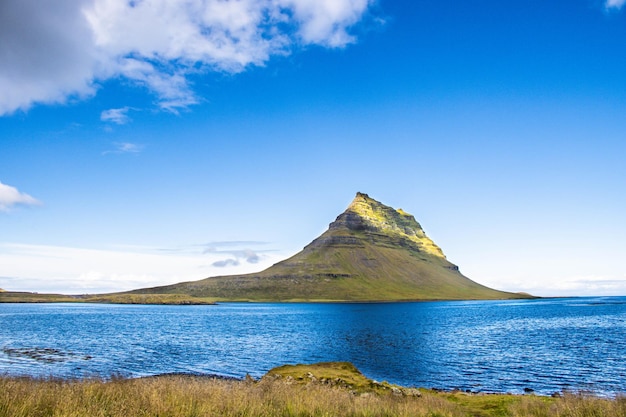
(175,396)
(571,405)
(188,396)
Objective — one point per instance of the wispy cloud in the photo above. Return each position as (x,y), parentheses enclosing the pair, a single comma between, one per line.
(595,285)
(212,246)
(226,262)
(247,255)
(239,250)
(50,52)
(615,4)
(124,147)
(117,116)
(71,270)
(11,196)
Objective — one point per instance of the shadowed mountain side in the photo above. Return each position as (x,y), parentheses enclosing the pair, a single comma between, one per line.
(371,252)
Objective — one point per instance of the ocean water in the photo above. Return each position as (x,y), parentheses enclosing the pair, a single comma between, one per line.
(545,345)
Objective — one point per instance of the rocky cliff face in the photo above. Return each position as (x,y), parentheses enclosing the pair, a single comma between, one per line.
(385,223)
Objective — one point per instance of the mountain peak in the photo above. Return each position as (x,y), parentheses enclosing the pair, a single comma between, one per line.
(369,215)
(371,252)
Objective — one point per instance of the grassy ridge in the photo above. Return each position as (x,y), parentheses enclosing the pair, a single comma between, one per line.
(170,299)
(118,298)
(31,297)
(178,396)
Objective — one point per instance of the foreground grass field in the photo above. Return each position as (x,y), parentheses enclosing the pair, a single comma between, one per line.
(337,392)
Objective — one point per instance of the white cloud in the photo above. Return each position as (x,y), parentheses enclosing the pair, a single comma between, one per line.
(70,270)
(117,116)
(11,196)
(615,3)
(129,147)
(324,22)
(50,51)
(125,147)
(46,53)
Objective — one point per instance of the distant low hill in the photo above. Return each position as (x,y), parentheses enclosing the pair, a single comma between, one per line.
(371,252)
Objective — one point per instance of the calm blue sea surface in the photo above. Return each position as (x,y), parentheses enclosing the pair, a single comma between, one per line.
(545,345)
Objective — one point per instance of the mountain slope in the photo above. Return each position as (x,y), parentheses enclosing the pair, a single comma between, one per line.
(371,252)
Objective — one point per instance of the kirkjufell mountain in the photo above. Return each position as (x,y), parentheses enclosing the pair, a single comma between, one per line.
(371,252)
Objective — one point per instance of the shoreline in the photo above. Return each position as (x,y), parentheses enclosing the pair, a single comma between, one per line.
(315,373)
(25,297)
(331,388)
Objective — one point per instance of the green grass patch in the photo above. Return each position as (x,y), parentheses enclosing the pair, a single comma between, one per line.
(169,299)
(118,298)
(32,297)
(337,374)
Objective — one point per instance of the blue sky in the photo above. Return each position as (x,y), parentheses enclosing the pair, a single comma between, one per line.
(150,142)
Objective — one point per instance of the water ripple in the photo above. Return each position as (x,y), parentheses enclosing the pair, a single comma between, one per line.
(543,345)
